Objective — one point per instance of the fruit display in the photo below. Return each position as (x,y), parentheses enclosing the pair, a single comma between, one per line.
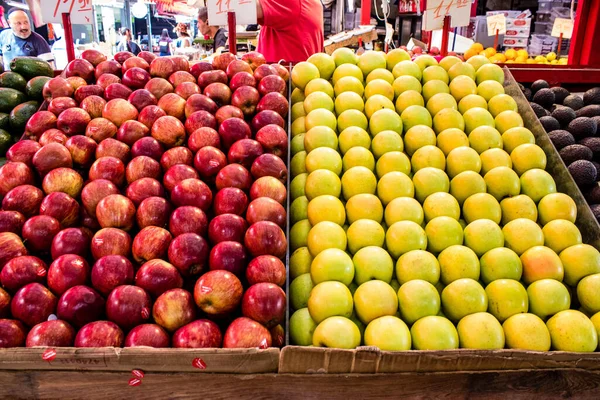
(422,216)
(146,207)
(572,122)
(20,96)
(513,56)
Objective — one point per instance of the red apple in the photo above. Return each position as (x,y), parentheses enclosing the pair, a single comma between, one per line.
(108,67)
(142,98)
(208,77)
(21,271)
(169,131)
(159,87)
(188,253)
(188,219)
(181,63)
(178,173)
(57,87)
(117,91)
(71,241)
(99,334)
(149,335)
(62,207)
(192,192)
(4,303)
(268,186)
(82,149)
(153,211)
(237,66)
(111,271)
(54,333)
(132,131)
(187,89)
(219,93)
(200,119)
(15,174)
(80,305)
(265,303)
(88,221)
(128,306)
(269,165)
(246,333)
(267,117)
(233,175)
(111,241)
(222,61)
(230,201)
(147,146)
(142,167)
(174,309)
(143,188)
(200,67)
(278,336)
(199,102)
(283,72)
(274,140)
(84,92)
(11,246)
(93,56)
(254,59)
(268,269)
(227,227)
(135,62)
(32,304)
(244,152)
(208,162)
(25,199)
(79,67)
(247,99)
(178,77)
(162,67)
(119,110)
(39,231)
(77,82)
(135,78)
(218,292)
(227,112)
(100,129)
(11,221)
(272,83)
(116,211)
(176,155)
(229,256)
(198,334)
(64,180)
(150,243)
(67,271)
(264,70)
(158,276)
(232,130)
(275,102)
(53,136)
(266,209)
(12,333)
(95,191)
(109,168)
(52,156)
(149,115)
(203,137)
(23,151)
(39,123)
(106,80)
(242,79)
(173,105)
(113,148)
(147,56)
(265,238)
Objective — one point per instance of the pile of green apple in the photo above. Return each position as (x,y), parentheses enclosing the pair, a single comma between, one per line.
(423,217)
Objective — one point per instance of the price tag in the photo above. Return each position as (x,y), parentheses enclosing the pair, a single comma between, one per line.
(564,26)
(458,10)
(245,11)
(80,10)
(496,23)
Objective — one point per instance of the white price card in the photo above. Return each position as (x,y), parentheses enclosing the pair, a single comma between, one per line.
(496,23)
(562,26)
(458,10)
(245,11)
(80,11)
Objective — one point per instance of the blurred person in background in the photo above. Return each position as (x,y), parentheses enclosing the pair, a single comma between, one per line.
(183,37)
(164,43)
(127,43)
(20,40)
(215,33)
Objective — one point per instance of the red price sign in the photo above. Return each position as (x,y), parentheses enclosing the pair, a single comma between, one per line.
(80,10)
(458,10)
(245,11)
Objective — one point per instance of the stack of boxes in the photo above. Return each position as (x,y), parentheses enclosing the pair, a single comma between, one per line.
(541,41)
(518,27)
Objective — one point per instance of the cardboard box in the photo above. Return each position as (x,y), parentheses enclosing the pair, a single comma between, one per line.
(514,42)
(518,23)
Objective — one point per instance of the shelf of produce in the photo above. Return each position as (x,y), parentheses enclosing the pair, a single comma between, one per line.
(555,74)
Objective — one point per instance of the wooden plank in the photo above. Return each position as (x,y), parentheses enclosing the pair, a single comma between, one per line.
(91,385)
(353,41)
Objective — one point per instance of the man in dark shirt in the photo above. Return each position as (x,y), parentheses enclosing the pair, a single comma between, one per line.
(214,32)
(20,40)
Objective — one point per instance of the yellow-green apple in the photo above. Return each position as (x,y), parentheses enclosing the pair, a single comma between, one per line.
(372,262)
(572,330)
(328,299)
(417,299)
(302,328)
(388,333)
(336,332)
(374,299)
(463,297)
(480,331)
(434,333)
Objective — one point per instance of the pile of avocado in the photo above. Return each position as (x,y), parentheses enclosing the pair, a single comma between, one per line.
(20,96)
(572,123)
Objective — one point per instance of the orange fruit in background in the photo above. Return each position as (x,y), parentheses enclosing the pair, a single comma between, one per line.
(489,52)
(470,53)
(510,54)
(478,47)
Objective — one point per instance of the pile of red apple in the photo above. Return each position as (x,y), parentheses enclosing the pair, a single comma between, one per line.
(146,207)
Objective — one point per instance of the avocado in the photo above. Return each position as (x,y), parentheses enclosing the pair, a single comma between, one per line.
(539,84)
(35,86)
(582,127)
(560,93)
(596,211)
(564,115)
(549,123)
(575,152)
(593,143)
(593,195)
(538,110)
(10,98)
(561,139)
(12,80)
(597,119)
(593,110)
(583,172)
(573,101)
(527,93)
(544,97)
(21,114)
(592,96)
(30,67)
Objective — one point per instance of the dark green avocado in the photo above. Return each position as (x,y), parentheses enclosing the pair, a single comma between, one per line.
(583,172)
(564,115)
(550,123)
(544,97)
(538,85)
(592,96)
(561,139)
(582,127)
(575,152)
(560,93)
(593,110)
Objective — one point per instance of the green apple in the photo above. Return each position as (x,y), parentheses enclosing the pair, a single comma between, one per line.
(348,101)
(403,209)
(370,60)
(541,262)
(320,136)
(299,126)
(482,206)
(443,232)
(409,98)
(537,183)
(388,333)
(434,333)
(358,180)
(300,289)
(319,116)
(380,73)
(302,328)
(364,233)
(349,84)
(557,206)
(299,234)
(404,236)
(415,115)
(407,67)
(430,180)
(502,102)
(385,120)
(460,68)
(507,120)
(448,118)
(358,157)
(386,142)
(364,206)
(298,164)
(480,331)
(395,57)
(506,297)
(500,263)
(297,144)
(490,72)
(560,234)
(514,137)
(394,185)
(579,261)
(297,96)
(346,70)
(428,156)
(304,72)
(466,184)
(520,206)
(374,299)
(326,235)
(572,330)
(324,62)
(471,101)
(502,182)
(326,208)
(299,209)
(484,138)
(354,137)
(300,261)
(528,156)
(435,72)
(417,264)
(417,299)
(328,299)
(476,117)
(323,158)
(547,297)
(352,118)
(521,234)
(462,86)
(587,292)
(379,86)
(318,85)
(451,139)
(434,87)
(377,102)
(322,182)
(483,235)
(344,55)
(425,60)
(463,297)
(372,263)
(297,186)
(462,159)
(336,332)
(332,265)
(458,262)
(489,89)
(298,111)
(448,62)
(392,161)
(526,332)
(439,101)
(405,83)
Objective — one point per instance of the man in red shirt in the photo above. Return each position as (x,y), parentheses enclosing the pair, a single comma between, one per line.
(292,30)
